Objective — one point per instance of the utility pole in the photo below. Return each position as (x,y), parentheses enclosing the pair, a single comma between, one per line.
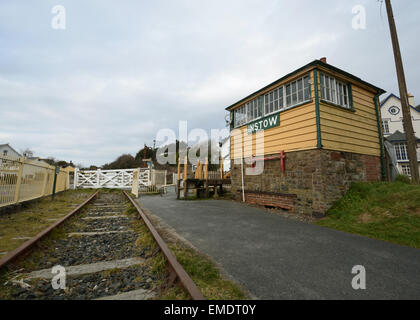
(408,125)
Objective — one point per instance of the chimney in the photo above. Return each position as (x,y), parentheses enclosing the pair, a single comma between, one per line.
(411,99)
(324,60)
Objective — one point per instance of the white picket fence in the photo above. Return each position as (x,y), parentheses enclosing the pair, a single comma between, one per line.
(144,177)
(23,179)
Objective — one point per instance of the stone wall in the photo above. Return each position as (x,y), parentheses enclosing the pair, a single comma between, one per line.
(312,182)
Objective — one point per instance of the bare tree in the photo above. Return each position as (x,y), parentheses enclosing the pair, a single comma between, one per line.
(27,153)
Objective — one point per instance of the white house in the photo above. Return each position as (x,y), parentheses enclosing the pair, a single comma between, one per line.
(394,130)
(8,151)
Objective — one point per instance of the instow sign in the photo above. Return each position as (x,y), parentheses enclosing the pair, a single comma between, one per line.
(264,123)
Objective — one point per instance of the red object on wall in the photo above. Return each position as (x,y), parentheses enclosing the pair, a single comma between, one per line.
(281,157)
(282,161)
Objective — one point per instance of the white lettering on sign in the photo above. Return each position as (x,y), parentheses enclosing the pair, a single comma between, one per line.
(264,124)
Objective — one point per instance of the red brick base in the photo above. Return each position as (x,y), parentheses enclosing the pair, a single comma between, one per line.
(271,199)
(372,167)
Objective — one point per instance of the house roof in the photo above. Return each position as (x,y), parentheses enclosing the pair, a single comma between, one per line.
(314,63)
(394,96)
(6,144)
(398,136)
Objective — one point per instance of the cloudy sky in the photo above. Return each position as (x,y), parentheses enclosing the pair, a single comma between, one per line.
(122,70)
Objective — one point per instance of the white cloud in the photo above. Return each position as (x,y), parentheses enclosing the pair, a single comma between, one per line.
(123,70)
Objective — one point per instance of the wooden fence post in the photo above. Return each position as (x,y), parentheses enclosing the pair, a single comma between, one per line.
(221,167)
(76,170)
(135,185)
(44,189)
(206,169)
(179,168)
(201,170)
(197,170)
(206,176)
(98,177)
(67,179)
(19,179)
(185,177)
(166,182)
(56,173)
(185,168)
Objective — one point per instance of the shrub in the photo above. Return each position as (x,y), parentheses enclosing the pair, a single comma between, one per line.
(403,178)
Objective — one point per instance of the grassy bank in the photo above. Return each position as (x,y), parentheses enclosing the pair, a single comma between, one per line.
(385,211)
(35,216)
(202,270)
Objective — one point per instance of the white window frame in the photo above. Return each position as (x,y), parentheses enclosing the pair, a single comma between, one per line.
(385,126)
(401,151)
(240,116)
(294,91)
(334,91)
(254,110)
(406,169)
(273,102)
(272,98)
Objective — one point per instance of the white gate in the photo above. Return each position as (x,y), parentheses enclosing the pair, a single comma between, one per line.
(144,177)
(116,179)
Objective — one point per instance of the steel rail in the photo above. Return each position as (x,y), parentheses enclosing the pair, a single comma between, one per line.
(182,275)
(28,244)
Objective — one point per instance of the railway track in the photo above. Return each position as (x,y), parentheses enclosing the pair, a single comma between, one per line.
(92,253)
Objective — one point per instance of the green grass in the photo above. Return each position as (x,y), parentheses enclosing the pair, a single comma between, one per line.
(205,275)
(385,211)
(202,270)
(36,216)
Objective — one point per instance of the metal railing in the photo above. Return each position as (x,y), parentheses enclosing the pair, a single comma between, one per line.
(23,180)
